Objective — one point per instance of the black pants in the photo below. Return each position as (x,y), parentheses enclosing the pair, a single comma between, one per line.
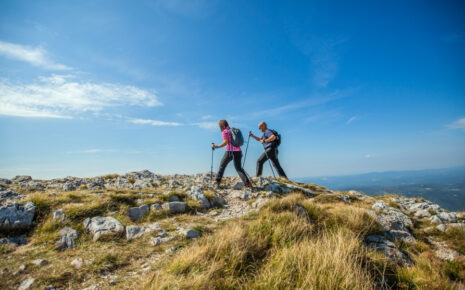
(237,157)
(272,153)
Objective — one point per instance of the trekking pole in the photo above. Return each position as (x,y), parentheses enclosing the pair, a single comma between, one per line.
(211,168)
(269,161)
(246,148)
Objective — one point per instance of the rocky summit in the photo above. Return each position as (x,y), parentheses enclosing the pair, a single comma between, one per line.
(146,230)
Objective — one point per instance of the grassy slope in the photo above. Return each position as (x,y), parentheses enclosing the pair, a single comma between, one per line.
(292,242)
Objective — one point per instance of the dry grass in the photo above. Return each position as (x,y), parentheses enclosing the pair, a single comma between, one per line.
(278,248)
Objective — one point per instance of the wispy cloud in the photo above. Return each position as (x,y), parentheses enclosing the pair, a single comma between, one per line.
(154,122)
(308,102)
(206,125)
(351,119)
(457,124)
(60,96)
(369,156)
(159,123)
(36,56)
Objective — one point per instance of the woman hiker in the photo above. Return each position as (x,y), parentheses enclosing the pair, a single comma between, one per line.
(232,153)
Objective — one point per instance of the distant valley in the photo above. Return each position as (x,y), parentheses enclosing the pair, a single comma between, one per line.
(443,186)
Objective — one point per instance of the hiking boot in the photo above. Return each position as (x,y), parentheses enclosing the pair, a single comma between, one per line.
(248,185)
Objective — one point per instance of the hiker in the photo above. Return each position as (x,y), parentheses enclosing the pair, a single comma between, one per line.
(232,153)
(269,141)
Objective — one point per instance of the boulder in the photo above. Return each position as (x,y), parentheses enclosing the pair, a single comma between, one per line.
(95,183)
(388,248)
(26,284)
(5,181)
(239,185)
(155,241)
(444,217)
(272,187)
(357,194)
(40,262)
(16,241)
(133,232)
(16,215)
(142,183)
(396,224)
(174,197)
(379,205)
(31,185)
(175,207)
(196,193)
(422,214)
(59,215)
(21,178)
(100,226)
(344,198)
(218,201)
(136,213)
(190,234)
(68,237)
(8,194)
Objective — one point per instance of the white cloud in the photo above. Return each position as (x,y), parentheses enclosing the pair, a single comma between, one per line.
(369,156)
(207,125)
(457,124)
(206,117)
(351,120)
(36,56)
(59,96)
(154,122)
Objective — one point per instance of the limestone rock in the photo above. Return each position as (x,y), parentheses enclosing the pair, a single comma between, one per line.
(21,178)
(396,224)
(133,232)
(59,215)
(379,205)
(175,207)
(16,215)
(422,213)
(136,213)
(16,241)
(26,284)
(99,226)
(68,237)
(344,198)
(387,247)
(191,234)
(40,262)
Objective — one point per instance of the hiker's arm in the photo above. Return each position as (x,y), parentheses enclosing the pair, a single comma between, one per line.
(271,139)
(225,142)
(253,136)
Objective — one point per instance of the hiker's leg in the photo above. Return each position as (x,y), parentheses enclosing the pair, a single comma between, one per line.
(224,162)
(239,169)
(273,154)
(261,160)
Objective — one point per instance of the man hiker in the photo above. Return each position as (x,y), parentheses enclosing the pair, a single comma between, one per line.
(232,153)
(271,150)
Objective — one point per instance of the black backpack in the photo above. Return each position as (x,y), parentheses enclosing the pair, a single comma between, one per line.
(276,141)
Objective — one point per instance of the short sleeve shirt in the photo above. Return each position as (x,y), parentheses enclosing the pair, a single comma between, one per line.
(227,136)
(268,133)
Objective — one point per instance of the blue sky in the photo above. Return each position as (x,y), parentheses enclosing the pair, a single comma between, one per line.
(95,87)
